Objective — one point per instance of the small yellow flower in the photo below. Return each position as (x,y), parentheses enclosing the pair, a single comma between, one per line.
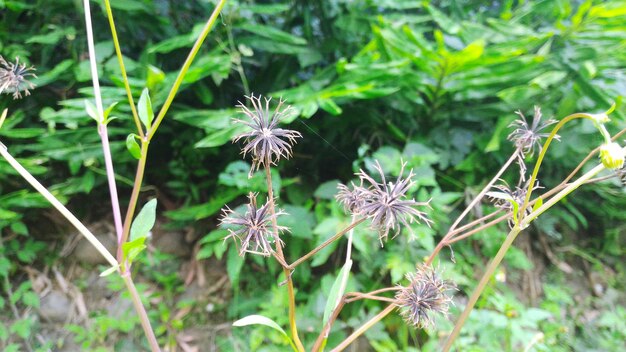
(612,156)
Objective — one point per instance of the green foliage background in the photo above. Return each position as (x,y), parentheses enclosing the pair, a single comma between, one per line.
(433,83)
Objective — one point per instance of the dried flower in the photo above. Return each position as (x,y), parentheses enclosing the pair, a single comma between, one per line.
(13,78)
(253,230)
(612,156)
(427,293)
(266,142)
(505,198)
(386,204)
(528,137)
(351,199)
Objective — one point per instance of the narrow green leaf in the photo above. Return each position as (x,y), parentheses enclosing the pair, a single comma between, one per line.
(144,109)
(108,110)
(261,320)
(337,290)
(3,116)
(133,146)
(144,221)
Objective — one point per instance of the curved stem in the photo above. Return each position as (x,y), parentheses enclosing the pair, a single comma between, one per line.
(120,60)
(544,149)
(183,71)
(345,343)
(279,251)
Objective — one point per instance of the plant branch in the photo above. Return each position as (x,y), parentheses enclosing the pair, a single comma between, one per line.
(141,310)
(120,60)
(102,128)
(325,244)
(134,197)
(364,328)
(507,244)
(183,71)
(60,207)
(279,252)
(544,149)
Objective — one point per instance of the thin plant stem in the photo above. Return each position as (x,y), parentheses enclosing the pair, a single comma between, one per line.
(120,60)
(145,141)
(134,197)
(325,244)
(485,189)
(141,310)
(60,207)
(102,128)
(507,244)
(359,296)
(183,71)
(451,232)
(364,328)
(320,342)
(476,230)
(544,149)
(279,251)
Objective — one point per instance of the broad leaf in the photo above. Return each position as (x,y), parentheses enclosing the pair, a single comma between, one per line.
(144,221)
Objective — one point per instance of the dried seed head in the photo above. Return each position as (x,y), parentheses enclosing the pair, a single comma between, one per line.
(387,205)
(612,156)
(504,197)
(426,294)
(253,231)
(528,137)
(265,141)
(13,78)
(351,199)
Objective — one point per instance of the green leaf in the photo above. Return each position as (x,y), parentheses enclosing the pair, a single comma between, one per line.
(133,146)
(330,106)
(337,290)
(234,263)
(144,221)
(261,320)
(92,111)
(3,116)
(144,108)
(107,112)
(538,204)
(132,249)
(155,77)
(30,299)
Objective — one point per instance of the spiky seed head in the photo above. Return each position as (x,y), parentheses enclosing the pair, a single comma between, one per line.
(265,141)
(612,156)
(426,295)
(503,197)
(528,137)
(352,199)
(13,78)
(386,203)
(253,230)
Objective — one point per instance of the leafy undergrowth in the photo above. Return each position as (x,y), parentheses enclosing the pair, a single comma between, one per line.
(548,297)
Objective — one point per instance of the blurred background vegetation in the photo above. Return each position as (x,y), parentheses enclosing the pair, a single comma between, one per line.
(435,83)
